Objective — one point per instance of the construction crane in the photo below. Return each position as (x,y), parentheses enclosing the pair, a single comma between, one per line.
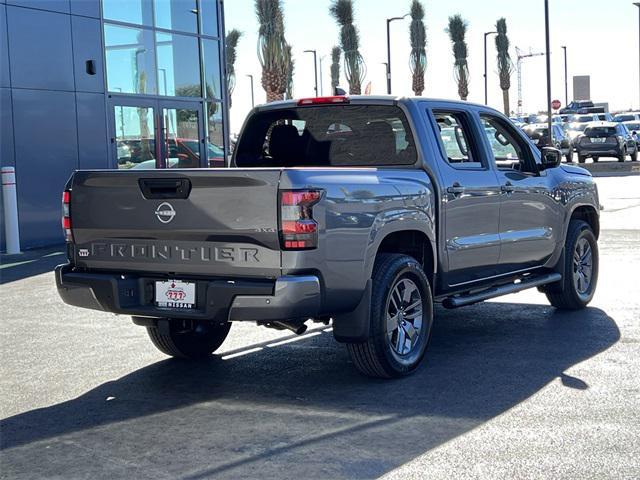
(521,55)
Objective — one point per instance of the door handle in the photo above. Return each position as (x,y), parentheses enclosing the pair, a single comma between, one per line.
(456,189)
(507,188)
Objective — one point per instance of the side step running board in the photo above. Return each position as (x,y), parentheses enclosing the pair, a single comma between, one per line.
(528,282)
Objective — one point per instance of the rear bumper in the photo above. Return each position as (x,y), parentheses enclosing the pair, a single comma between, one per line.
(287,297)
(599,150)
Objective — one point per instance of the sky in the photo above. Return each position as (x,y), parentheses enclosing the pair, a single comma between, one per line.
(601,38)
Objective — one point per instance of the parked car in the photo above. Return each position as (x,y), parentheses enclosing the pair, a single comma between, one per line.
(604,117)
(574,130)
(634,128)
(584,118)
(539,135)
(626,117)
(581,106)
(606,139)
(400,203)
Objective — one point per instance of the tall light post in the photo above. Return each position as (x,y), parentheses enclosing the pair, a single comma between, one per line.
(320,72)
(315,68)
(486,34)
(548,55)
(253,104)
(637,4)
(566,79)
(389,20)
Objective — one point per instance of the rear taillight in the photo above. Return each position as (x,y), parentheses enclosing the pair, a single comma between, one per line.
(298,229)
(66,215)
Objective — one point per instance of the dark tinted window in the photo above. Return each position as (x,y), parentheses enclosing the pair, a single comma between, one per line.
(624,117)
(334,135)
(600,131)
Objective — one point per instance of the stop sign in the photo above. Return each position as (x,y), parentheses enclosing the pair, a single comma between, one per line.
(556,104)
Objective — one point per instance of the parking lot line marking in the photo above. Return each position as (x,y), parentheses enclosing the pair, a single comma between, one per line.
(244,352)
(294,339)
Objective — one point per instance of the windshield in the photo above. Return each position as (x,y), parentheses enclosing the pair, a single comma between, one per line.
(600,132)
(624,118)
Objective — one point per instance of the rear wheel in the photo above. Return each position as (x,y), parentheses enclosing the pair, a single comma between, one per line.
(581,158)
(634,155)
(580,269)
(192,342)
(569,157)
(596,159)
(401,318)
(622,156)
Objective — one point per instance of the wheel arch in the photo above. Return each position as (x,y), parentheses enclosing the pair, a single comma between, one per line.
(588,214)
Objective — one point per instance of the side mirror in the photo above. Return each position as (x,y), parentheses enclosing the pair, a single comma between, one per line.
(551,157)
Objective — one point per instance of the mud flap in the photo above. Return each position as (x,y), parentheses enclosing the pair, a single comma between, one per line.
(353,327)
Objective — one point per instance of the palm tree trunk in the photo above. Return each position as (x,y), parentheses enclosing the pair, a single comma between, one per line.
(505,101)
(273,96)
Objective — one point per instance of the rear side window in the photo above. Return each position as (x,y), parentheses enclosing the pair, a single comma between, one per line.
(455,139)
(326,136)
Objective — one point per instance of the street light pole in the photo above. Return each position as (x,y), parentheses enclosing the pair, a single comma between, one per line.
(486,34)
(548,55)
(637,4)
(253,104)
(320,71)
(315,68)
(389,20)
(566,79)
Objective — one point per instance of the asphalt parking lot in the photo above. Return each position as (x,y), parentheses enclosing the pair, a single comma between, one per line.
(510,389)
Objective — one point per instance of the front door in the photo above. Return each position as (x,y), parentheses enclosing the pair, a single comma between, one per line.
(149,133)
(531,217)
(471,201)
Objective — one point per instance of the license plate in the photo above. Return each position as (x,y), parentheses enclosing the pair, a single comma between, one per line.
(598,140)
(176,294)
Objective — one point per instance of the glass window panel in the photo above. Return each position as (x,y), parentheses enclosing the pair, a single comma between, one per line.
(179,15)
(130,11)
(135,137)
(212,68)
(209,17)
(130,60)
(182,138)
(178,65)
(215,135)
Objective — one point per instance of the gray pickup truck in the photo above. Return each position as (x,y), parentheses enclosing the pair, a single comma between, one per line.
(362,211)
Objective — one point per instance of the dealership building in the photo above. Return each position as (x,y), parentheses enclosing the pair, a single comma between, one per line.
(87,84)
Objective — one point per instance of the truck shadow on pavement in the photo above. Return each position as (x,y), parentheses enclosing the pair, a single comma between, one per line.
(299,410)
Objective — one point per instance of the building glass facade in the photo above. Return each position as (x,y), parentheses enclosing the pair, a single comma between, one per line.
(106,84)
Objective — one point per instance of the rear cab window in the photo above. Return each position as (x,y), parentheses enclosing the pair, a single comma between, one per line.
(327,136)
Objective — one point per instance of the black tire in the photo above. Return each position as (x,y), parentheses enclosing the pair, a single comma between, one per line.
(192,343)
(581,158)
(596,159)
(566,295)
(569,157)
(622,156)
(634,155)
(378,357)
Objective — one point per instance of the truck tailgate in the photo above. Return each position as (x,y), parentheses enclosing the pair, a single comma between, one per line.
(213,222)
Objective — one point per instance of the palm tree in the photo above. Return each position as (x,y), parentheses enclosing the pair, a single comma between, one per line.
(354,67)
(505,65)
(272,48)
(457,30)
(418,36)
(290,69)
(335,68)
(231,44)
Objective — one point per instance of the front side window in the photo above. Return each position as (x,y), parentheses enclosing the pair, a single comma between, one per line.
(453,128)
(322,136)
(509,151)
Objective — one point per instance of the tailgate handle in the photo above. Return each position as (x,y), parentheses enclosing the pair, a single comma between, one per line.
(163,188)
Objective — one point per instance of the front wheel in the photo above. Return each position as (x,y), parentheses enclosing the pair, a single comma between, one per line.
(634,155)
(401,317)
(580,269)
(188,341)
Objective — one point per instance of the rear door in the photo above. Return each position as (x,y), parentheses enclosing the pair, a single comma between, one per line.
(471,200)
(199,222)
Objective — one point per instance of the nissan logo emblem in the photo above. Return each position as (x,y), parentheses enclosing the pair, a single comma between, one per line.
(165,212)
